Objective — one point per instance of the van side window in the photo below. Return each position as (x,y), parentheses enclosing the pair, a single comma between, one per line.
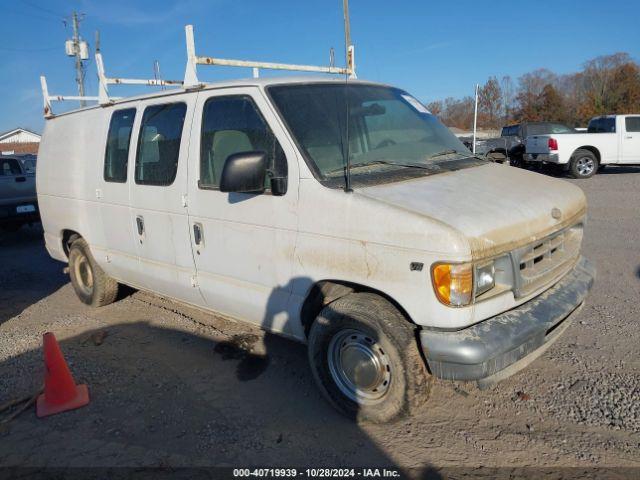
(632,124)
(232,125)
(159,144)
(117,154)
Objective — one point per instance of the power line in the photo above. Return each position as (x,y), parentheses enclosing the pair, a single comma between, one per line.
(42,9)
(25,14)
(9,49)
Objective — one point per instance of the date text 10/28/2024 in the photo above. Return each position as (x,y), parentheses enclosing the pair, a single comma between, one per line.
(316,472)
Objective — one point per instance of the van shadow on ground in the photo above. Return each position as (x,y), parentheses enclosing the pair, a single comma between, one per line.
(163,397)
(27,273)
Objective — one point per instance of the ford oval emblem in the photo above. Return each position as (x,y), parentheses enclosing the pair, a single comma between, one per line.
(556,213)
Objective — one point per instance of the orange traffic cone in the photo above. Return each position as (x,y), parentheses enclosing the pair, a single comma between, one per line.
(60,391)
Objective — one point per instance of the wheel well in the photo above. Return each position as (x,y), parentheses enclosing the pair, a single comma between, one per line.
(591,149)
(325,292)
(68,237)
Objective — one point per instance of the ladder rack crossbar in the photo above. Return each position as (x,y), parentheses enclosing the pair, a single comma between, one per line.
(270,65)
(153,82)
(193,60)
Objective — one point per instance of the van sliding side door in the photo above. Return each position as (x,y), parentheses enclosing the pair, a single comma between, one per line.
(159,198)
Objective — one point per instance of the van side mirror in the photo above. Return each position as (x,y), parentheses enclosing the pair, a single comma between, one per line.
(244,172)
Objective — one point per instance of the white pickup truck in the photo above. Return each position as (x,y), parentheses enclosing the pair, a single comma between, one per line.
(611,139)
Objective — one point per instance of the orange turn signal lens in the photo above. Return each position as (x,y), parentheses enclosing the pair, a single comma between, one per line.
(453,283)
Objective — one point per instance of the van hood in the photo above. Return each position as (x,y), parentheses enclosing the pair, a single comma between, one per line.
(495,207)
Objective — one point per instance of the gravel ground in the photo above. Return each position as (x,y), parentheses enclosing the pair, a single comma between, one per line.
(171,386)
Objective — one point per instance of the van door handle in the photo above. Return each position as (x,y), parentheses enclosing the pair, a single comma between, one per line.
(197,233)
(140,225)
(21,179)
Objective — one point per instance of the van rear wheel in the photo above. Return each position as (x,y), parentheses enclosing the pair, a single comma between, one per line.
(92,285)
(365,358)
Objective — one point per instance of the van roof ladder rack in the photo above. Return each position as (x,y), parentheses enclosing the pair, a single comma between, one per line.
(191,76)
(104,82)
(193,60)
(103,97)
(48,112)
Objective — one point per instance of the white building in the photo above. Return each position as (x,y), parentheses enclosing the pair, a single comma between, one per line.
(19,135)
(19,140)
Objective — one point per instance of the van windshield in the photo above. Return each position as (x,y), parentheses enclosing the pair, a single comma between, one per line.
(386,129)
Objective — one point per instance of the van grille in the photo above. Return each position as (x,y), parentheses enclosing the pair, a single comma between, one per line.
(543,261)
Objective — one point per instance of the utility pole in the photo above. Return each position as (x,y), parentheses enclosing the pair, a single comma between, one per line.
(78,49)
(79,70)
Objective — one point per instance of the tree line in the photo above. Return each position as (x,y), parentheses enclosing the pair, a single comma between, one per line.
(608,84)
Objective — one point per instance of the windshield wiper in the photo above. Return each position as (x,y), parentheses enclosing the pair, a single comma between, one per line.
(445,152)
(385,162)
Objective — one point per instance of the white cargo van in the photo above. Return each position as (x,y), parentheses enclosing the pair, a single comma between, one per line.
(419,261)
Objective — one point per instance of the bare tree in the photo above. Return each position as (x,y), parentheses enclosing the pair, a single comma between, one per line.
(508,96)
(490,103)
(606,85)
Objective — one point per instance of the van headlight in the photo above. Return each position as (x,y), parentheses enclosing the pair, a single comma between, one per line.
(458,284)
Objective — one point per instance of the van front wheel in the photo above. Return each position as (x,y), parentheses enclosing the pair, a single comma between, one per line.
(92,285)
(365,359)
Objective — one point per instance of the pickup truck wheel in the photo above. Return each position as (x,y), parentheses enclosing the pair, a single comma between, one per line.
(516,161)
(583,164)
(92,285)
(365,358)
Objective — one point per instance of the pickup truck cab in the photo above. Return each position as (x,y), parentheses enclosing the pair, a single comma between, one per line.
(18,200)
(387,247)
(611,139)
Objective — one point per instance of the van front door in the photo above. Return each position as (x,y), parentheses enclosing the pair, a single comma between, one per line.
(158,199)
(631,140)
(243,243)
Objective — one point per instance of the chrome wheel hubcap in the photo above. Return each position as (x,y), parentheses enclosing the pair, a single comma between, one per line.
(84,275)
(585,166)
(359,367)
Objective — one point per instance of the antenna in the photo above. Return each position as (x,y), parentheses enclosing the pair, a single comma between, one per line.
(351,73)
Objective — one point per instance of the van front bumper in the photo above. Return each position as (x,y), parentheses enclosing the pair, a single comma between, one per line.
(496,348)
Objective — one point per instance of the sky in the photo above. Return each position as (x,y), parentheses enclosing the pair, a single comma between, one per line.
(433,49)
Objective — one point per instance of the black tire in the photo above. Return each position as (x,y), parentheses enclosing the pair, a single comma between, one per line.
(92,285)
(583,164)
(516,161)
(368,321)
